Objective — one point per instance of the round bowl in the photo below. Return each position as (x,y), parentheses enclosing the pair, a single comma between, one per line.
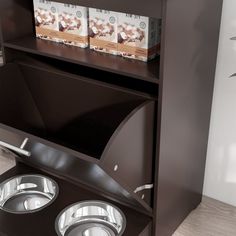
(91,218)
(27,193)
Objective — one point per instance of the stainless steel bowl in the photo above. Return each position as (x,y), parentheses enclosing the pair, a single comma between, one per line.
(27,193)
(91,218)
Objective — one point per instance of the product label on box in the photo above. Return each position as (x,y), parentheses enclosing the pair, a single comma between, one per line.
(130,51)
(61,22)
(46,17)
(70,38)
(99,45)
(73,24)
(103,30)
(137,36)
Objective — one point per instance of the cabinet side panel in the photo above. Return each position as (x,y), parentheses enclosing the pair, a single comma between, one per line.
(190,42)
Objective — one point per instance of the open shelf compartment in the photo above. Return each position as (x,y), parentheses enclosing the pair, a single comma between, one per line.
(22,37)
(82,117)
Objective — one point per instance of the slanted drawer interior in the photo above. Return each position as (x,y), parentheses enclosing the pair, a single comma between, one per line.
(75,113)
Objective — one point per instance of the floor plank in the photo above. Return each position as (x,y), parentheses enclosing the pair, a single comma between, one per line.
(211,218)
(6,162)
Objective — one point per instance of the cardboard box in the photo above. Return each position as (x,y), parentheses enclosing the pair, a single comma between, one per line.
(46,19)
(103,30)
(138,36)
(73,25)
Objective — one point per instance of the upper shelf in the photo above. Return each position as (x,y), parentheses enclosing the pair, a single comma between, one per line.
(135,69)
(152,8)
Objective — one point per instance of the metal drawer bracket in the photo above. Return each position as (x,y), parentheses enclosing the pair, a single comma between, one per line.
(144,187)
(19,150)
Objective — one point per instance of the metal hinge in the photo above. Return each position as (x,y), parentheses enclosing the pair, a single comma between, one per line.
(143,187)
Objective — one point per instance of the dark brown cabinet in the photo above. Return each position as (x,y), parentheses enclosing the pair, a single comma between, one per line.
(130,132)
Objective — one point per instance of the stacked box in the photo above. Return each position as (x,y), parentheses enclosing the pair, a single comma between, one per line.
(103,30)
(128,35)
(138,36)
(46,19)
(73,25)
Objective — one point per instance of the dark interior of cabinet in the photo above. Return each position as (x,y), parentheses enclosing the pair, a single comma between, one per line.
(146,88)
(79,114)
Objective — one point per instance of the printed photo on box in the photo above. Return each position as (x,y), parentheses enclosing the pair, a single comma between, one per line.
(138,36)
(46,19)
(73,25)
(103,30)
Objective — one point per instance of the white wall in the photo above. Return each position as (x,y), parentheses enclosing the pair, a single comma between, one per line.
(220,177)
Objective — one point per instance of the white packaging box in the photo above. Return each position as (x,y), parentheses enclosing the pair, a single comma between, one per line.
(46,19)
(73,25)
(103,30)
(138,36)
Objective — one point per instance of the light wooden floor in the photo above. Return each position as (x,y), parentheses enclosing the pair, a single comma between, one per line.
(211,218)
(6,162)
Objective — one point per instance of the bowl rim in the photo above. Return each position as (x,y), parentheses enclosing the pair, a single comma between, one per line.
(2,208)
(91,201)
